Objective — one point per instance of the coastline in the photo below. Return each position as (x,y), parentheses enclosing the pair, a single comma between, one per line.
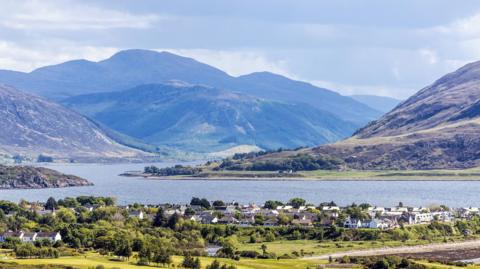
(302,177)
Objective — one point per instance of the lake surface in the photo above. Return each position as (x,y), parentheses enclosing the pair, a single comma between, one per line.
(129,190)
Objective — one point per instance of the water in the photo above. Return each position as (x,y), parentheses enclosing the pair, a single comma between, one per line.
(130,190)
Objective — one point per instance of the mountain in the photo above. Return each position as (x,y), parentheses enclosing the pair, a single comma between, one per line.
(206,119)
(130,68)
(32,125)
(436,128)
(381,103)
(28,177)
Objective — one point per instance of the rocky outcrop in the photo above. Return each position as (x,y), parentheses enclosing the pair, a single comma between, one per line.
(29,177)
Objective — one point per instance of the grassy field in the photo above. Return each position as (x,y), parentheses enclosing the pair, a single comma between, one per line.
(92,259)
(465,174)
(313,247)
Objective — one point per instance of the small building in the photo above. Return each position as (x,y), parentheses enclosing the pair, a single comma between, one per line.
(228,220)
(28,236)
(50,236)
(352,223)
(10,234)
(136,214)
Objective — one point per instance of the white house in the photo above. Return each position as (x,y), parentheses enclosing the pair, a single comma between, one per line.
(422,218)
(10,234)
(352,223)
(51,236)
(380,224)
(28,237)
(136,214)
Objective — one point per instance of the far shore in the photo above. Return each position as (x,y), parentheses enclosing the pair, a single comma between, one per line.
(310,176)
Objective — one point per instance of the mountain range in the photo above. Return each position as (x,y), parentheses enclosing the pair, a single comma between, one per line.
(205,119)
(130,68)
(260,110)
(436,128)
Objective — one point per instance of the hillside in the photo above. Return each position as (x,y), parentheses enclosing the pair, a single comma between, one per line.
(436,128)
(28,177)
(32,125)
(205,119)
(131,68)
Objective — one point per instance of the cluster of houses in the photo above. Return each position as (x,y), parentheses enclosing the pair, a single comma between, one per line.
(31,236)
(309,216)
(285,215)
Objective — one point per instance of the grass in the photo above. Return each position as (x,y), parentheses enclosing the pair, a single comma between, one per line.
(313,247)
(463,174)
(435,265)
(91,260)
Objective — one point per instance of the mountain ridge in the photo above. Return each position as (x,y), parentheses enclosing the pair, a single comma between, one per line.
(130,68)
(193,117)
(32,125)
(435,128)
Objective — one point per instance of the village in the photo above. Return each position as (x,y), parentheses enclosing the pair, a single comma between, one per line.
(272,214)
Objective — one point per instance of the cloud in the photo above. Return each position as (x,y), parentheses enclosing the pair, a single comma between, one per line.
(465,26)
(68,15)
(237,62)
(24,58)
(380,90)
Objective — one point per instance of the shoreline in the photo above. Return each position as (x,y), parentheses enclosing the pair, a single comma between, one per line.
(304,178)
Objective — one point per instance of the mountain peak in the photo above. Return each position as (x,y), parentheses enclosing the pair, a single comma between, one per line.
(143,54)
(436,128)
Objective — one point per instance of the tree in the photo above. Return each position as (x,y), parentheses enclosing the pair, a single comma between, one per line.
(264,249)
(51,204)
(196,264)
(271,204)
(200,202)
(297,202)
(189,262)
(214,265)
(162,257)
(218,203)
(160,219)
(123,249)
(173,220)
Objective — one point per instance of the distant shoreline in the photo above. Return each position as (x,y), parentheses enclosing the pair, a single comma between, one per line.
(302,177)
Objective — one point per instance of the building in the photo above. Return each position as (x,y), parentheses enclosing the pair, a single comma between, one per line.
(136,214)
(50,236)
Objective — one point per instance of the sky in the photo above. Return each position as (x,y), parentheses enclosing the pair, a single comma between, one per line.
(389,48)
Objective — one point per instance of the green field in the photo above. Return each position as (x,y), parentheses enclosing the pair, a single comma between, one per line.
(313,247)
(92,259)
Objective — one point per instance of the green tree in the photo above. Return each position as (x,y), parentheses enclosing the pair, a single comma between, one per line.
(297,202)
(214,265)
(51,204)
(264,249)
(160,220)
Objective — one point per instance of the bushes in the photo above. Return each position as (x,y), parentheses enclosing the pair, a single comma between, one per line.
(248,254)
(389,262)
(176,170)
(299,162)
(27,250)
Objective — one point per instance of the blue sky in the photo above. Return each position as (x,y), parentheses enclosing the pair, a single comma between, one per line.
(391,48)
